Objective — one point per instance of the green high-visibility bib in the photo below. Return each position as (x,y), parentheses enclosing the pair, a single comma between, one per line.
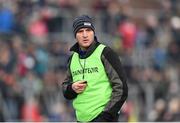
(92,101)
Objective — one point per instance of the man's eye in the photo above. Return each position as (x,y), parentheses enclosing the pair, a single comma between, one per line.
(80,31)
(88,29)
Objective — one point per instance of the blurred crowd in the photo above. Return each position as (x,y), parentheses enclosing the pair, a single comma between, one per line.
(35,37)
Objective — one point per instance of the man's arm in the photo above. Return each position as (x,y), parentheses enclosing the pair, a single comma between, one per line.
(68,92)
(117,78)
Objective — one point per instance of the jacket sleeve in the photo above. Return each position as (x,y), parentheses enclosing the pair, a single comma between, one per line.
(117,78)
(68,92)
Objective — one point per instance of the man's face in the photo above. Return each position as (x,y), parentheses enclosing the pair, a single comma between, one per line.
(85,37)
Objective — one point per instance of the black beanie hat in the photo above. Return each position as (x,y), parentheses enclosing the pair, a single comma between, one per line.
(82,21)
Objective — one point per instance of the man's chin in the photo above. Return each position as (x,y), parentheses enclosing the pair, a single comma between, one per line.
(86,45)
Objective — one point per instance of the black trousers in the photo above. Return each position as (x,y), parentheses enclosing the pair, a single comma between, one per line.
(104,118)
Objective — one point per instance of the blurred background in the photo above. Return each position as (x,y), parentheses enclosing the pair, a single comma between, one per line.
(35,37)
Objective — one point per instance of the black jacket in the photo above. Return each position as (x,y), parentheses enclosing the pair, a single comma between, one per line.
(115,73)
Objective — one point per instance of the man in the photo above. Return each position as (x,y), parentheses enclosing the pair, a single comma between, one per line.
(95,79)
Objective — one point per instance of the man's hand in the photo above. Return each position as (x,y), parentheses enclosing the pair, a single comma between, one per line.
(79,86)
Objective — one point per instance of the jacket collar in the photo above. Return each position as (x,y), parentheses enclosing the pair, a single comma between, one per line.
(90,50)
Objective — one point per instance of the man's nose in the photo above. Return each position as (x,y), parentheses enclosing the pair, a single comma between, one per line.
(84,34)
